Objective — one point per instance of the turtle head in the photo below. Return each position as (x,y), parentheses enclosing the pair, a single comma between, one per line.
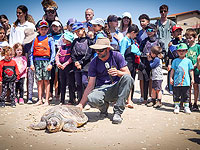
(54,124)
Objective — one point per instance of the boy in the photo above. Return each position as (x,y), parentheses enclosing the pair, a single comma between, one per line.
(42,58)
(193,54)
(157,76)
(182,71)
(172,54)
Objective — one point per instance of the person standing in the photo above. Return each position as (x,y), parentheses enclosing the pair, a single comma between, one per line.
(5,24)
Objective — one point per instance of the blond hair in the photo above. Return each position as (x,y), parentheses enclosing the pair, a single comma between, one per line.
(6,50)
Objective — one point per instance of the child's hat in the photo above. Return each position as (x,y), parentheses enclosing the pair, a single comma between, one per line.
(182,46)
(98,21)
(68,36)
(76,26)
(56,23)
(43,23)
(71,21)
(174,28)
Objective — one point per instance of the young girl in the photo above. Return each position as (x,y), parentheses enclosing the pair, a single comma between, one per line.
(3,39)
(9,73)
(21,64)
(81,55)
(5,24)
(57,32)
(65,65)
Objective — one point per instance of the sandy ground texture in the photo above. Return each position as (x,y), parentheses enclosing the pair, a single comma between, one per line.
(143,128)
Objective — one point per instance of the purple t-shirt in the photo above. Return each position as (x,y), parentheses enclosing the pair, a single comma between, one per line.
(97,68)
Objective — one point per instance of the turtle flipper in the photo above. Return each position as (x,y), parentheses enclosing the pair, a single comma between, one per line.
(70,126)
(40,126)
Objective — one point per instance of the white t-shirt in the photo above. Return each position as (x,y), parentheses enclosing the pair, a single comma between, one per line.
(17,34)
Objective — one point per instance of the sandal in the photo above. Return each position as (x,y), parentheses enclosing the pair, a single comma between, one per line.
(129,106)
(39,103)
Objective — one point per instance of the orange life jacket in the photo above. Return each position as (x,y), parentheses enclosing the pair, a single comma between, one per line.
(41,48)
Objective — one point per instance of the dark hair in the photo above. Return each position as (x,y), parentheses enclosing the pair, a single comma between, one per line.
(132,28)
(24,9)
(156,50)
(164,7)
(61,28)
(5,37)
(144,16)
(3,17)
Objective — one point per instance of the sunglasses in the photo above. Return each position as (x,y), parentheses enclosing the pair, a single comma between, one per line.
(181,50)
(19,13)
(51,11)
(100,50)
(149,30)
(163,11)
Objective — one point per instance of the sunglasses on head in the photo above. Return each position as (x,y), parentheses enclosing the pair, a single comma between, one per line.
(149,30)
(100,50)
(163,11)
(43,23)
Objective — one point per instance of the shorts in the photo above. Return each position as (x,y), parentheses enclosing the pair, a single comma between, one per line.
(41,72)
(157,84)
(197,79)
(181,93)
(140,75)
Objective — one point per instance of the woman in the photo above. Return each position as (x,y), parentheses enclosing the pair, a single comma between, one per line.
(5,24)
(17,29)
(125,22)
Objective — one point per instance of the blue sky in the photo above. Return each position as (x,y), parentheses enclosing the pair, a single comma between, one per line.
(102,8)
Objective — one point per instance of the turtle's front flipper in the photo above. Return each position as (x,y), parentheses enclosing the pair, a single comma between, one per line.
(71,126)
(40,126)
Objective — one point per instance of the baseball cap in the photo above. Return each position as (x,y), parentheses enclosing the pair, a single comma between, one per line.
(98,21)
(174,28)
(101,43)
(182,46)
(71,21)
(56,23)
(76,26)
(112,18)
(43,23)
(126,14)
(68,36)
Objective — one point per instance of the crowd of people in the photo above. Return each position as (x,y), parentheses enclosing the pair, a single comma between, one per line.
(97,60)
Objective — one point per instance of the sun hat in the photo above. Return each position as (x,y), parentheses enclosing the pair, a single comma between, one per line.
(98,21)
(126,14)
(174,28)
(182,46)
(68,36)
(76,26)
(43,23)
(101,43)
(30,34)
(71,21)
(56,23)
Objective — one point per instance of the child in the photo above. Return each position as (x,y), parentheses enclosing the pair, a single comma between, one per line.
(3,39)
(193,54)
(9,73)
(129,49)
(65,65)
(172,53)
(21,64)
(81,56)
(145,48)
(42,58)
(57,32)
(157,76)
(181,73)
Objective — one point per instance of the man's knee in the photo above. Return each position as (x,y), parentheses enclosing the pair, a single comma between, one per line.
(128,78)
(94,100)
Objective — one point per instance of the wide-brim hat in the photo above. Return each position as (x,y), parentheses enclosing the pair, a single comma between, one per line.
(30,34)
(101,43)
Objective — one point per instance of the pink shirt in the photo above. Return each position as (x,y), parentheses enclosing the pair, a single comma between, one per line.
(21,64)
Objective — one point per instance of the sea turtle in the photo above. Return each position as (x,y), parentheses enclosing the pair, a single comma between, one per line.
(66,118)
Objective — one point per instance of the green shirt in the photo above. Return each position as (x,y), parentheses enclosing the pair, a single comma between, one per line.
(192,54)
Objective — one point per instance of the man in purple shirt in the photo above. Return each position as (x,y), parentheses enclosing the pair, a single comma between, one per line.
(109,81)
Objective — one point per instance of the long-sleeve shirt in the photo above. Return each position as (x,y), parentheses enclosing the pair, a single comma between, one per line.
(7,69)
(21,64)
(52,50)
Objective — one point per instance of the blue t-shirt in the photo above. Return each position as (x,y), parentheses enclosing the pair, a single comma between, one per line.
(181,71)
(97,68)
(124,44)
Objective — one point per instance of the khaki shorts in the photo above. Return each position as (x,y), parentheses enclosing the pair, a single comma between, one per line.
(41,72)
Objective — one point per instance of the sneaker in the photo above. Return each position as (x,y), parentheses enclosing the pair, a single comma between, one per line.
(158,104)
(30,101)
(195,107)
(187,110)
(21,101)
(16,100)
(150,104)
(13,104)
(117,119)
(171,92)
(141,99)
(176,109)
(2,104)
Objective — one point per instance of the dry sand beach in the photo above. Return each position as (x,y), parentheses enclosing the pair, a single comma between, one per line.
(143,128)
